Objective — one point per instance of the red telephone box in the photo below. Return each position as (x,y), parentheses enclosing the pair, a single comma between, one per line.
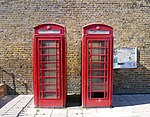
(49,64)
(97,65)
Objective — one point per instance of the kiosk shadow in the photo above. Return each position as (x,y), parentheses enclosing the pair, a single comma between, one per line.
(73,100)
(130,100)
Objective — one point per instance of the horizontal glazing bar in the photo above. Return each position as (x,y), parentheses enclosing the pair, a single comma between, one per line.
(52,61)
(99,62)
(98,84)
(46,77)
(53,47)
(50,91)
(48,69)
(98,76)
(49,55)
(98,69)
(97,47)
(49,62)
(98,54)
(98,91)
(48,84)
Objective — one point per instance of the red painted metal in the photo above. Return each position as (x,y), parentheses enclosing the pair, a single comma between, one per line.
(49,65)
(97,65)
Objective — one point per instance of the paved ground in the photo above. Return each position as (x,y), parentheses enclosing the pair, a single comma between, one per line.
(124,106)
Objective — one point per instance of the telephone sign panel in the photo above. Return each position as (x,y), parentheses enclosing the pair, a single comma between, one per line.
(49,63)
(97,65)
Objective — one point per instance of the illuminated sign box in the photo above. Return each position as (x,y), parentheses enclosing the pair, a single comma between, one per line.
(49,31)
(98,32)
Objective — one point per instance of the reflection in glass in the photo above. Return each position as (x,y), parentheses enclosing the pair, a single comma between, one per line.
(97,87)
(49,73)
(98,43)
(49,58)
(49,51)
(50,80)
(49,95)
(97,66)
(97,80)
(97,50)
(98,58)
(49,43)
(98,73)
(52,87)
(48,66)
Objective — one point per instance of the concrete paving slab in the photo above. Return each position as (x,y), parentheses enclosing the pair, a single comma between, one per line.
(119,100)
(27,116)
(134,102)
(103,110)
(55,115)
(119,114)
(90,115)
(31,111)
(144,114)
(142,97)
(59,112)
(74,111)
(9,116)
(78,115)
(117,97)
(58,116)
(43,111)
(4,100)
(89,111)
(129,97)
(42,116)
(122,109)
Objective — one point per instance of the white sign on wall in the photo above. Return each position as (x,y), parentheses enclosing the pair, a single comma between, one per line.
(125,58)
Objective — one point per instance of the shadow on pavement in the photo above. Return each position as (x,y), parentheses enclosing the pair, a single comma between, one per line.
(130,100)
(73,100)
(4,100)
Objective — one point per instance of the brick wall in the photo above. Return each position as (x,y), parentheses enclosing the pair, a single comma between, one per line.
(129,18)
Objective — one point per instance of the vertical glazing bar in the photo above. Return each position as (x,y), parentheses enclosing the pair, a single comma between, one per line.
(91,54)
(105,68)
(58,67)
(40,70)
(108,64)
(56,71)
(60,77)
(87,79)
(46,44)
(88,62)
(39,74)
(41,44)
(39,77)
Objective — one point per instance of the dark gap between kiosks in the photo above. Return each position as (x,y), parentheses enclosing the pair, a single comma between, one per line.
(73,100)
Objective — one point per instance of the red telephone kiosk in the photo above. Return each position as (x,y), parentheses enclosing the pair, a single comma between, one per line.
(97,65)
(49,64)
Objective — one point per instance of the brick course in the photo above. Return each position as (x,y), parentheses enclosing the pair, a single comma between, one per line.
(129,18)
